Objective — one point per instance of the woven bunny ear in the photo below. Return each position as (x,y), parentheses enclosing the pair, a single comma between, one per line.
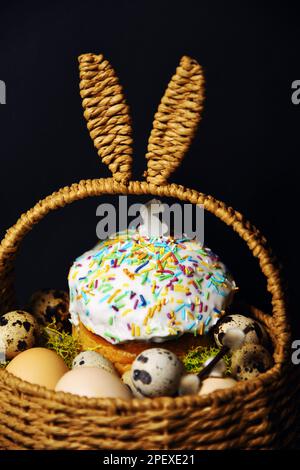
(175,121)
(107,114)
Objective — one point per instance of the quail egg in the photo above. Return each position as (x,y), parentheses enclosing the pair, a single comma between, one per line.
(18,331)
(48,305)
(250,361)
(156,372)
(127,380)
(253,331)
(93,359)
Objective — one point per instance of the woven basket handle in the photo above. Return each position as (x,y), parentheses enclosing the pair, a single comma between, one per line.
(255,241)
(107,114)
(175,121)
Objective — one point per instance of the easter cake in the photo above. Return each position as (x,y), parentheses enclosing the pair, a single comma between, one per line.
(137,288)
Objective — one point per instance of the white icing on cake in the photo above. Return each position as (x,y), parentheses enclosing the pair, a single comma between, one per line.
(131,287)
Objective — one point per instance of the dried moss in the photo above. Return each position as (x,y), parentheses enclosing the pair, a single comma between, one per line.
(64,344)
(194,359)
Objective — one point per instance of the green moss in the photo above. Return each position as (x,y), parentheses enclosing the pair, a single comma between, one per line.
(194,359)
(64,344)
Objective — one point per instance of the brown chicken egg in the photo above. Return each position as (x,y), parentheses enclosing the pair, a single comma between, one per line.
(39,366)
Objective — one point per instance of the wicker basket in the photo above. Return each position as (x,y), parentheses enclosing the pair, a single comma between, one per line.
(254,414)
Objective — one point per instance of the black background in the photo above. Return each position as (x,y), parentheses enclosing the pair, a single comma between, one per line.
(246,150)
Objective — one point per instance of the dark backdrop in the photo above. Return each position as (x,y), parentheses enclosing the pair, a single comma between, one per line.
(245,152)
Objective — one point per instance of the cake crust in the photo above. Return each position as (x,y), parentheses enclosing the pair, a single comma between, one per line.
(122,355)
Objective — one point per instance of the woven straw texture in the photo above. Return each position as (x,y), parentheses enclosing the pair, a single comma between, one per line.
(107,114)
(256,414)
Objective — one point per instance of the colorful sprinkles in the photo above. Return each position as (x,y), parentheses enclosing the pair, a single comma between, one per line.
(136,287)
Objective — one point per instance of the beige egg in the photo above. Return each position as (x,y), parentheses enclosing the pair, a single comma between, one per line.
(93,382)
(189,385)
(39,366)
(211,384)
(18,331)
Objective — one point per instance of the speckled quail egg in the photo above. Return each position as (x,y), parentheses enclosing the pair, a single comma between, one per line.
(127,380)
(250,361)
(93,359)
(253,331)
(156,372)
(48,305)
(18,331)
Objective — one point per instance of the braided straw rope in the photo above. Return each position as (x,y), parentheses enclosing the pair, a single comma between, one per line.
(176,121)
(255,414)
(107,114)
